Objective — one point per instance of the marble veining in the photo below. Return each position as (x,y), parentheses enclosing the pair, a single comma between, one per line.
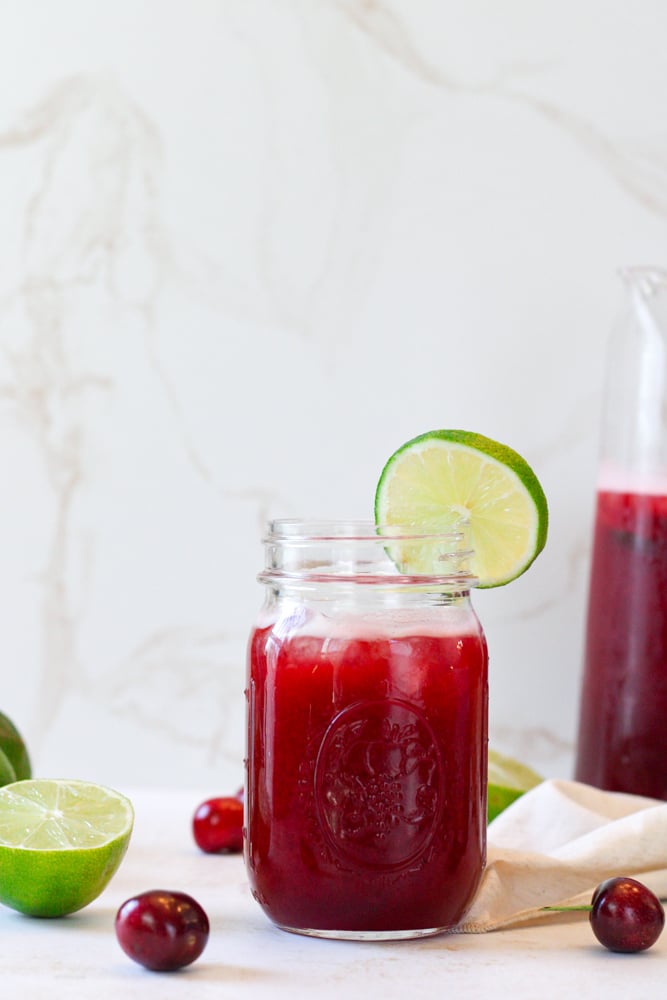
(109,241)
(638,169)
(239,267)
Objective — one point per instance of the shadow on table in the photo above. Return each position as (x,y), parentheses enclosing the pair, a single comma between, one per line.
(96,920)
(89,920)
(201,970)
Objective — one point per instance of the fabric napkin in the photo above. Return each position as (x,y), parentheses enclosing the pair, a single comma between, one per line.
(553,846)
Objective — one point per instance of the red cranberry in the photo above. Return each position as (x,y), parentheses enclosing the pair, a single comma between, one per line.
(625,915)
(217,825)
(162,930)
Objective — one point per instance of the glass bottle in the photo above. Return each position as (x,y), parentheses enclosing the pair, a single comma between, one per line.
(367,734)
(622,741)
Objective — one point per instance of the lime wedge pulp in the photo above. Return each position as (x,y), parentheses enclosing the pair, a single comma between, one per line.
(507,781)
(447,478)
(60,843)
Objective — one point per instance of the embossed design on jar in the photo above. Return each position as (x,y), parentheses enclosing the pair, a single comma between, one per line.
(378,784)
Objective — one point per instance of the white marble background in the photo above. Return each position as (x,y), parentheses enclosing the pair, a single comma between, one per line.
(248,248)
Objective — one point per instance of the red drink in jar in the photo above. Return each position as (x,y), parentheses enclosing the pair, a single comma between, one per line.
(367,746)
(622,742)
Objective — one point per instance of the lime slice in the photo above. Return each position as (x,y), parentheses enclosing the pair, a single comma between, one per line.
(7,772)
(444,479)
(12,745)
(60,844)
(508,780)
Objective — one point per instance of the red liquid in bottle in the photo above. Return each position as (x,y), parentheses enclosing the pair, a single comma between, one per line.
(366,778)
(623,724)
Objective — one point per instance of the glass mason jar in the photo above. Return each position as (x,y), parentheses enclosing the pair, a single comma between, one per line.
(367,707)
(622,741)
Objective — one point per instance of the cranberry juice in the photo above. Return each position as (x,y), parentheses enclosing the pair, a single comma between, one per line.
(623,729)
(366,777)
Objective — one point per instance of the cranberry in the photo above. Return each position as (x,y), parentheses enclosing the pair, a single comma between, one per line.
(625,915)
(162,930)
(217,825)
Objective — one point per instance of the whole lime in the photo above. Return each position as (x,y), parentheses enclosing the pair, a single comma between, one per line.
(14,749)
(7,772)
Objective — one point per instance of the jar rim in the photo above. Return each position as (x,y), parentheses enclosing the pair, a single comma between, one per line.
(328,530)
(360,552)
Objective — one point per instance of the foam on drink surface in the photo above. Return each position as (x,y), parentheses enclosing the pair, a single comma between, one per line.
(614,478)
(399,623)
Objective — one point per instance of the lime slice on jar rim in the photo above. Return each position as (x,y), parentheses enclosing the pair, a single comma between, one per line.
(61,841)
(447,478)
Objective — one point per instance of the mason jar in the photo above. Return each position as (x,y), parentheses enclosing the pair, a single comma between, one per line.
(367,732)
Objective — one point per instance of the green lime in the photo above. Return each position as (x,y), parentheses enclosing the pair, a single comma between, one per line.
(508,780)
(445,479)
(60,843)
(12,745)
(7,772)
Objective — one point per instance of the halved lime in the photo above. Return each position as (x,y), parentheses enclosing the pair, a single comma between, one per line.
(448,478)
(14,748)
(60,843)
(508,780)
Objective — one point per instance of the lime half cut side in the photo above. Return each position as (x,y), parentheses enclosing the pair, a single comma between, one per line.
(444,479)
(60,843)
(508,780)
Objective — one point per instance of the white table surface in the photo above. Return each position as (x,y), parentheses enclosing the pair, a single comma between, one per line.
(246,957)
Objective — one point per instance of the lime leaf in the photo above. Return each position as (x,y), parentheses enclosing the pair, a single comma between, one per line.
(60,843)
(507,781)
(446,479)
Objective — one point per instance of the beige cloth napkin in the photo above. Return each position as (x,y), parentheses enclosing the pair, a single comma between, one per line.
(557,842)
